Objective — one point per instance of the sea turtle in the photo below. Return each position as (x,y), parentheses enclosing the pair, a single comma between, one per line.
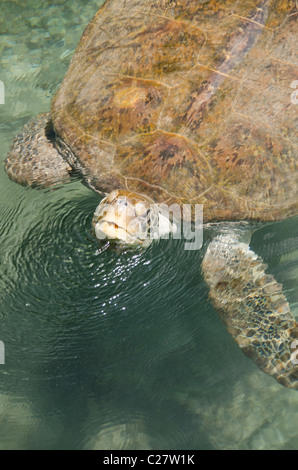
(186,102)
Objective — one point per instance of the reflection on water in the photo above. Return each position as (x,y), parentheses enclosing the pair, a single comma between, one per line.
(107,350)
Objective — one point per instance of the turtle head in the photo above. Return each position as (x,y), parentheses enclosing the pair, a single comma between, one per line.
(127,218)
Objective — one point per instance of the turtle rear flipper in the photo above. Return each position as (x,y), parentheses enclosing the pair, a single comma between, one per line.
(33,159)
(253,307)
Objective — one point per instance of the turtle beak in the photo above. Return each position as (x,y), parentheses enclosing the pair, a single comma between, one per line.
(122,219)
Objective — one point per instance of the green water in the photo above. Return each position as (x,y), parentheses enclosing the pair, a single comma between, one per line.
(107,350)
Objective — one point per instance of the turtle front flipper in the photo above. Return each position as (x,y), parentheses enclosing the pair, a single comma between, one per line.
(253,307)
(33,159)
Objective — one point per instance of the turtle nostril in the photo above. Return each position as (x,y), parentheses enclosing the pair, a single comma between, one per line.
(122,202)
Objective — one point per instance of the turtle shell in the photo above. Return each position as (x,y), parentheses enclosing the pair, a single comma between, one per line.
(187,102)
